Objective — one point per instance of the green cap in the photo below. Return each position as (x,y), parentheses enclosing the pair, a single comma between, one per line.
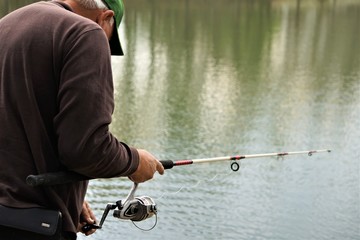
(118,7)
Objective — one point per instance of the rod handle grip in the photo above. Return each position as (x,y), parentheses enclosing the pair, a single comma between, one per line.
(167,164)
(54,178)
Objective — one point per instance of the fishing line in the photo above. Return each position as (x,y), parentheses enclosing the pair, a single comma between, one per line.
(147,229)
(198,183)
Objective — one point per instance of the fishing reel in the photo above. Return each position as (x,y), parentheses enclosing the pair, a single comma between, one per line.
(138,209)
(132,208)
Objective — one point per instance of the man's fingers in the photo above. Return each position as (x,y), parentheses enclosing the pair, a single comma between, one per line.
(160,168)
(87,217)
(87,213)
(148,165)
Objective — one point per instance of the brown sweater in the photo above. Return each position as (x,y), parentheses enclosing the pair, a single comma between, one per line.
(56,102)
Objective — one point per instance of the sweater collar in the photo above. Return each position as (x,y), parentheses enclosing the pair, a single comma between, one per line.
(62,4)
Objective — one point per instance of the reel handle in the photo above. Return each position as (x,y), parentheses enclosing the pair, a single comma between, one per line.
(89,227)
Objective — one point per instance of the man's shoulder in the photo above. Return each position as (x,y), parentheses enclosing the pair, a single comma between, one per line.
(51,13)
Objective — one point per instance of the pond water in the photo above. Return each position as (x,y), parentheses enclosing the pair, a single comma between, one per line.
(214,78)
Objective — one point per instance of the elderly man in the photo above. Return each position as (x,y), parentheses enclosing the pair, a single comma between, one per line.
(56,103)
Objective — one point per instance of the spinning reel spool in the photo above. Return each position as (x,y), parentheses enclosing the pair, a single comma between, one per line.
(131,208)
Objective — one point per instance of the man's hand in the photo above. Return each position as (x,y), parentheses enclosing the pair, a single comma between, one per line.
(86,217)
(148,165)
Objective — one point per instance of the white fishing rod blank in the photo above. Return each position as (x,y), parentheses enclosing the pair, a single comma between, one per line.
(168,164)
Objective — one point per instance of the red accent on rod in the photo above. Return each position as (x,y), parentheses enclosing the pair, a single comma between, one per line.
(237,157)
(183,162)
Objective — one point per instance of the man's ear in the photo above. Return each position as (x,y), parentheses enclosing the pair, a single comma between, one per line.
(106,16)
(104,20)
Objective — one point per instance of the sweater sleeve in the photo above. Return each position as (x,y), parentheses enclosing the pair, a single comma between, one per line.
(86,103)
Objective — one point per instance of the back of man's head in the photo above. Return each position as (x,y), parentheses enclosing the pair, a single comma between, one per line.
(117,7)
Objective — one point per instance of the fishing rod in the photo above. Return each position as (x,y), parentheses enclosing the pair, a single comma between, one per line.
(137,209)
(63,177)
(168,164)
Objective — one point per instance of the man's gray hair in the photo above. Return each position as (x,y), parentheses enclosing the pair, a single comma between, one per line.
(92,4)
